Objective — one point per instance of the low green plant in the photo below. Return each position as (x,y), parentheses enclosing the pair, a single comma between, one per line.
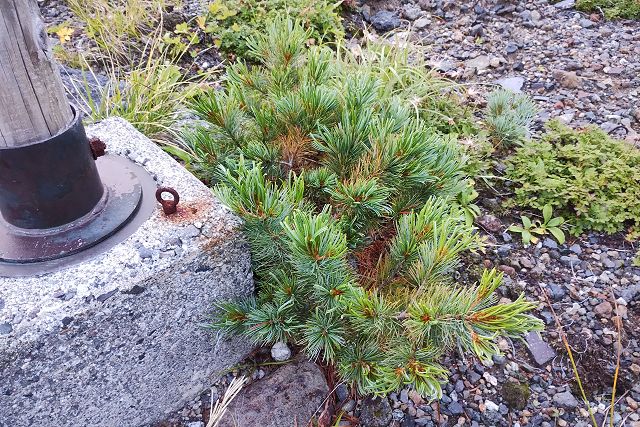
(117,26)
(152,96)
(531,229)
(590,178)
(345,195)
(464,203)
(233,23)
(180,41)
(636,260)
(508,117)
(612,9)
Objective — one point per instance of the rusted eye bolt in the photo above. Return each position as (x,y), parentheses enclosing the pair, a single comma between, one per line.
(169,206)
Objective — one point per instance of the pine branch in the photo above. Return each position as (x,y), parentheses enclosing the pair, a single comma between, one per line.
(224,113)
(415,365)
(315,240)
(360,364)
(269,323)
(323,335)
(468,317)
(361,204)
(372,315)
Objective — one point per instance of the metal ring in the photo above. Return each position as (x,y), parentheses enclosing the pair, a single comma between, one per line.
(168,206)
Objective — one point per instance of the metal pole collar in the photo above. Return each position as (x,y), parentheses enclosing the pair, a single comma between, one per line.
(57,200)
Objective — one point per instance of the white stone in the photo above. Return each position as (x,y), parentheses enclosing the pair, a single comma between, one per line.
(491,406)
(280,352)
(566,118)
(490,379)
(128,346)
(480,63)
(513,84)
(421,23)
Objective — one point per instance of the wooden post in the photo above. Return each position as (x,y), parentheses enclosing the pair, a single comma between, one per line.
(33,105)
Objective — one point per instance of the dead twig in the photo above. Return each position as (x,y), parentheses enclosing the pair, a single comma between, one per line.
(618,322)
(565,342)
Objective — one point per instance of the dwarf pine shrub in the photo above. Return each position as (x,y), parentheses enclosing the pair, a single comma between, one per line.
(345,195)
(509,116)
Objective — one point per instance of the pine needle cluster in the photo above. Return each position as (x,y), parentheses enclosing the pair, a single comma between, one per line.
(346,193)
(509,116)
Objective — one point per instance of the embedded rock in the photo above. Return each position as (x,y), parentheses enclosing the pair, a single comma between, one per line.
(385,21)
(291,395)
(541,352)
(565,400)
(375,412)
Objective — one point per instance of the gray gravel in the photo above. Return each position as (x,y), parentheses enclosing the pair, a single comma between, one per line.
(579,68)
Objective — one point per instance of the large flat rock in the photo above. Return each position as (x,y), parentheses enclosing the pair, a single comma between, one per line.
(290,396)
(118,340)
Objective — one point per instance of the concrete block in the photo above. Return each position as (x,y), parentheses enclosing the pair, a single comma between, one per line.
(118,340)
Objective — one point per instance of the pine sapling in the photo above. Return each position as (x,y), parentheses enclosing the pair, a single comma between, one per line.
(509,116)
(346,196)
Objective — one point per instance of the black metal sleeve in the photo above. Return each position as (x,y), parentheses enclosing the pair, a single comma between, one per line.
(49,183)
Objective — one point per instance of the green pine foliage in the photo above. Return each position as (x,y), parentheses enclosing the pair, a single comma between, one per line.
(345,191)
(508,117)
(590,178)
(402,71)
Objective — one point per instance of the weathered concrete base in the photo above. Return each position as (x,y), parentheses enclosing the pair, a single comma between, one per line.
(117,341)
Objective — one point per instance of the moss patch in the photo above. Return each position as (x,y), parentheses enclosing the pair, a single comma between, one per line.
(516,394)
(612,9)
